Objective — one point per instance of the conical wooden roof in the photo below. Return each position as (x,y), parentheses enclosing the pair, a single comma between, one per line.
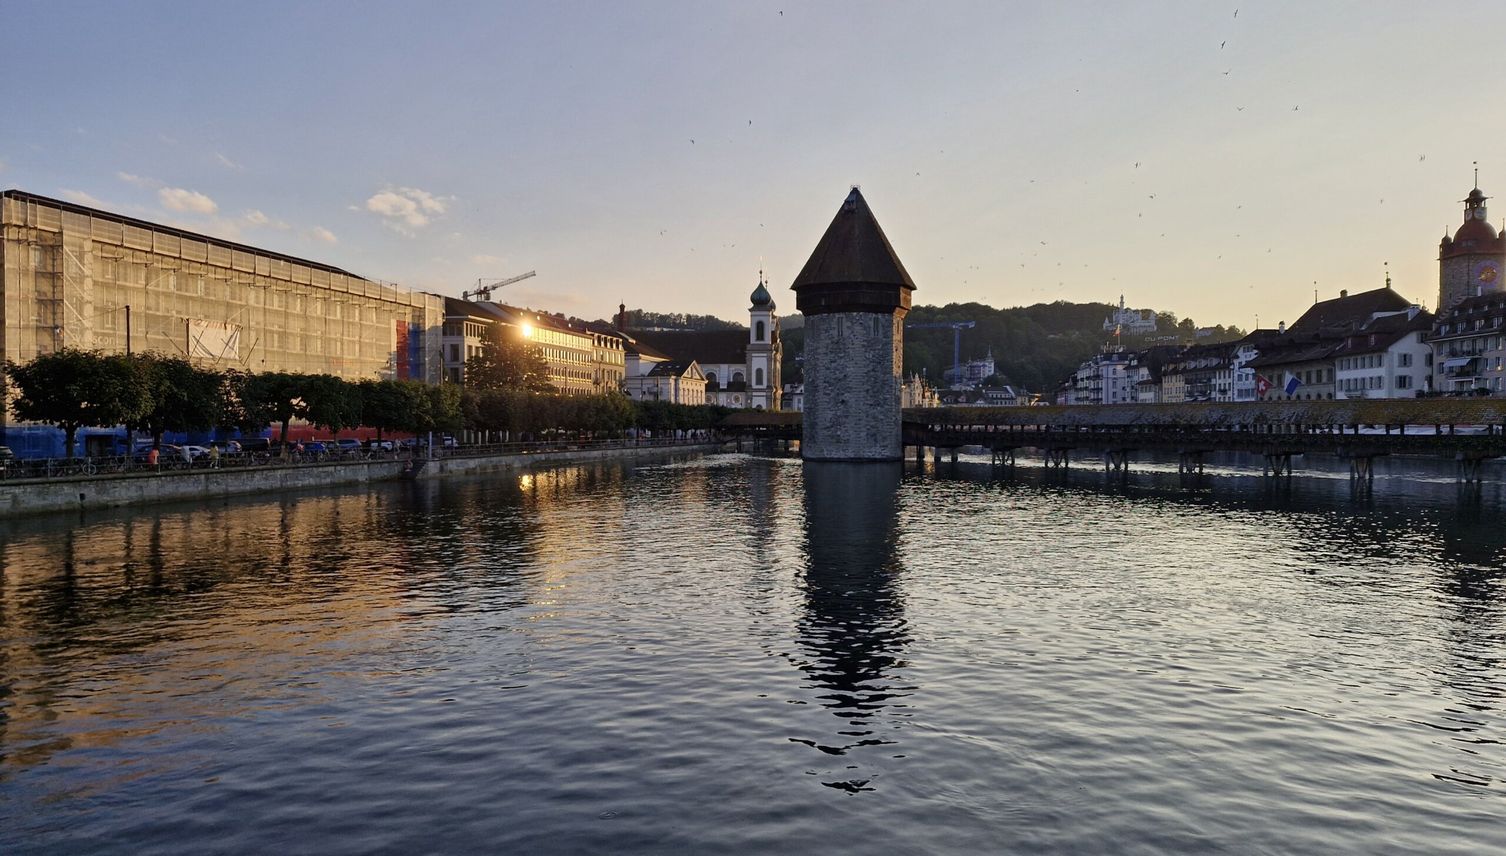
(853,268)
(854,250)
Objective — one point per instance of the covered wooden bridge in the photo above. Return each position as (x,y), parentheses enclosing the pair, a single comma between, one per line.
(1466,430)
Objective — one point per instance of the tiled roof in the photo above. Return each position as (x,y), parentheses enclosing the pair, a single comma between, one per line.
(853,250)
(1350,311)
(707,347)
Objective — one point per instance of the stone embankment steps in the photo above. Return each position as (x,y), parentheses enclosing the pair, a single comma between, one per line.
(90,492)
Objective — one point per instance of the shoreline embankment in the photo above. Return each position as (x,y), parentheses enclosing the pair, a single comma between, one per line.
(82,493)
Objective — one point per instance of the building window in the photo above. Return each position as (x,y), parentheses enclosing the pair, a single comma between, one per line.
(758,377)
(758,332)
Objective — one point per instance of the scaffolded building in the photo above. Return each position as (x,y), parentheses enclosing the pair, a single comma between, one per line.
(77,277)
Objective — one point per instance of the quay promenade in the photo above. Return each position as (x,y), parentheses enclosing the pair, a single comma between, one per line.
(81,484)
(1465,430)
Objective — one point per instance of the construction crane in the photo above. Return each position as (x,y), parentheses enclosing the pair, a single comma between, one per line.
(483,289)
(956,327)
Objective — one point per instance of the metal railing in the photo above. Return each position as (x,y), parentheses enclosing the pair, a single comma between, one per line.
(107,466)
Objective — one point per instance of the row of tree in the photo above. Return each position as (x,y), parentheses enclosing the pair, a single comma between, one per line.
(156,394)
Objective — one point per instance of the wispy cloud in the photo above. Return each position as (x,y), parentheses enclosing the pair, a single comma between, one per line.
(257,218)
(319,233)
(227,162)
(83,198)
(405,209)
(484,259)
(187,201)
(138,180)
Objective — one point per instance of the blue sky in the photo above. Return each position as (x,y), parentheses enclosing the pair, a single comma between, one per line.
(1207,163)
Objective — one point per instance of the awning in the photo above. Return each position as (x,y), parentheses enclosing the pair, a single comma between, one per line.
(1458,362)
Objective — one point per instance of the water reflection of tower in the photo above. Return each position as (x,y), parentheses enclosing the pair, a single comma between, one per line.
(853,630)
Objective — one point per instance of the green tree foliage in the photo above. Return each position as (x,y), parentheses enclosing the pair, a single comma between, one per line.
(273,397)
(72,389)
(77,388)
(442,413)
(183,397)
(330,402)
(639,319)
(507,363)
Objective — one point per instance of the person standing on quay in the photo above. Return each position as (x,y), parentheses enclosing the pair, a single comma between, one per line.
(152,455)
(214,456)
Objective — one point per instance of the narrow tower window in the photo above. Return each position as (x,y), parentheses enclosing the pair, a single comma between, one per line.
(758,332)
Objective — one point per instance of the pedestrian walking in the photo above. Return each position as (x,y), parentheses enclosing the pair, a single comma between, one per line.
(152,456)
(214,456)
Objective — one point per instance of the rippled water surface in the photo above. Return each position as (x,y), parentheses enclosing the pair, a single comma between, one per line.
(747,654)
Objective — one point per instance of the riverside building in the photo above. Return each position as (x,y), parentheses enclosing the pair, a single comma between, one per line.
(78,277)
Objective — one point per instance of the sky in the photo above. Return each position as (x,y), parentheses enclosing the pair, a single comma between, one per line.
(1222,161)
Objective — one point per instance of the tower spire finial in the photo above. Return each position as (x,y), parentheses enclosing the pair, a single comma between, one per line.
(1477,175)
(1387,266)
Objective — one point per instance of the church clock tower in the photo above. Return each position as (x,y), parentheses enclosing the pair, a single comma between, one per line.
(1473,261)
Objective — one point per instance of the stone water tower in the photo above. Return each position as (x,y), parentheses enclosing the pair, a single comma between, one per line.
(854,294)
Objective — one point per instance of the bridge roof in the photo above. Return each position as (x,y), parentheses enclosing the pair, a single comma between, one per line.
(1406,411)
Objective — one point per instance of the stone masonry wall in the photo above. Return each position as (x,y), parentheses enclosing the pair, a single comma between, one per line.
(852,374)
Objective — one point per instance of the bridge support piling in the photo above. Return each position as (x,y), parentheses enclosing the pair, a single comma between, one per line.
(1116,461)
(1003,458)
(1278,464)
(935,454)
(954,454)
(1467,470)
(1362,468)
(1189,463)
(1058,458)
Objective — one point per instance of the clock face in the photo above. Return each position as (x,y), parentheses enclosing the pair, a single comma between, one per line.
(1488,273)
(1479,213)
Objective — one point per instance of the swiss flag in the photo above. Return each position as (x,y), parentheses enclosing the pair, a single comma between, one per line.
(1262,383)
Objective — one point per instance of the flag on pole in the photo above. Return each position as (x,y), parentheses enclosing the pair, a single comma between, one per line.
(1262,385)
(1292,382)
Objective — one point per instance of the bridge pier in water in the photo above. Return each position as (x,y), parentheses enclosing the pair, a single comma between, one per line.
(1278,465)
(1058,458)
(1116,461)
(1190,462)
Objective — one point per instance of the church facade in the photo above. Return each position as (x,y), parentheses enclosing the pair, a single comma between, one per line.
(741,367)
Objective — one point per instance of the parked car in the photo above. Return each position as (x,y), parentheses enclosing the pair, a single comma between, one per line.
(380,445)
(348,445)
(197,451)
(315,447)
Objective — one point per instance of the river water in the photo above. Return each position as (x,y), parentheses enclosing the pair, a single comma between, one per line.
(747,654)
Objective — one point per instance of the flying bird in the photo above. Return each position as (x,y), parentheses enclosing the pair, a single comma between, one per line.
(1421,158)
(1240,109)
(1221,45)
(692,142)
(1137,164)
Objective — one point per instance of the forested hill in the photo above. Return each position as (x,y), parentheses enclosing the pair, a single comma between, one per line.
(1034,347)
